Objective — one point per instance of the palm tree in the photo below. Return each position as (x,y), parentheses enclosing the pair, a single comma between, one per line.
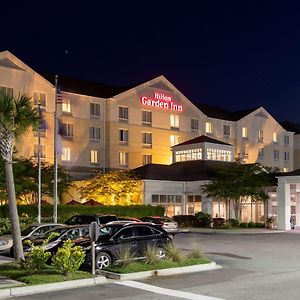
(16,116)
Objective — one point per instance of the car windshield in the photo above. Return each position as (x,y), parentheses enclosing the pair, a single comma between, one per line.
(109,229)
(27,230)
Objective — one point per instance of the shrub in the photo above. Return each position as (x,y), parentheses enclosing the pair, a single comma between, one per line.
(125,256)
(150,254)
(196,251)
(186,220)
(204,219)
(259,225)
(244,225)
(68,258)
(218,222)
(251,225)
(173,253)
(233,222)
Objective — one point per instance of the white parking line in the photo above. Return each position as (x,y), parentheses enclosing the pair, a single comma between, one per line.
(164,291)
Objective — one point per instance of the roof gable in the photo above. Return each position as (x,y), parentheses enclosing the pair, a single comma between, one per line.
(202,139)
(7,63)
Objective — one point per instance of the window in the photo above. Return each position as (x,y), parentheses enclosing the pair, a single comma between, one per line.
(42,129)
(209,127)
(188,154)
(123,136)
(260,152)
(174,121)
(286,156)
(66,154)
(286,140)
(147,159)
(67,130)
(147,139)
(276,154)
(95,133)
(194,124)
(123,159)
(39,98)
(245,151)
(245,132)
(123,113)
(275,137)
(125,233)
(144,231)
(218,154)
(146,117)
(7,91)
(36,151)
(226,130)
(260,135)
(94,156)
(66,105)
(94,110)
(174,140)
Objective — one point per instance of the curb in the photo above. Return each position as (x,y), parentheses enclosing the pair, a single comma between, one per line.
(41,288)
(162,272)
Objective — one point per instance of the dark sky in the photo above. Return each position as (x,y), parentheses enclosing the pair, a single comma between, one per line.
(232,54)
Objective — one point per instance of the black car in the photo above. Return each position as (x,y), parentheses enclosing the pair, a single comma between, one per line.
(89,218)
(63,233)
(114,238)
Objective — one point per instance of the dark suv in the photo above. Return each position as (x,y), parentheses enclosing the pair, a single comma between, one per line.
(89,218)
(115,238)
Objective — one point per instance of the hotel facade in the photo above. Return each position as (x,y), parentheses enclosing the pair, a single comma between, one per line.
(107,128)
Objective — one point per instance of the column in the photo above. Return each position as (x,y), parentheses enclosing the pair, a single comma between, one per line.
(283,205)
(297,225)
(206,204)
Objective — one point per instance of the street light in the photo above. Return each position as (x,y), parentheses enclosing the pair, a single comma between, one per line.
(39,166)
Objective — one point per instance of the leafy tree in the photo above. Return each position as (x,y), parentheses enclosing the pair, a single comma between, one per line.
(16,117)
(116,187)
(237,182)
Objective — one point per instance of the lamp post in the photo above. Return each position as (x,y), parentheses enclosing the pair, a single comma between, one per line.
(55,157)
(39,166)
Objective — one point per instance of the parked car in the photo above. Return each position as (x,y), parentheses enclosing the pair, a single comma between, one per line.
(64,232)
(89,218)
(167,224)
(135,236)
(32,230)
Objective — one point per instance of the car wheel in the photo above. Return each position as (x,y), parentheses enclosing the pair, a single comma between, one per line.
(103,260)
(161,253)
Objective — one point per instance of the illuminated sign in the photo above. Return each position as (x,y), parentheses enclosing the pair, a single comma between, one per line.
(161,101)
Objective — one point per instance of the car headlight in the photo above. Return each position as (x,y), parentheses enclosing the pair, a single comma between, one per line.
(3,243)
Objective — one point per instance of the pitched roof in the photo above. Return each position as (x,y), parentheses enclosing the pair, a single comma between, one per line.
(291,126)
(202,139)
(180,171)
(223,114)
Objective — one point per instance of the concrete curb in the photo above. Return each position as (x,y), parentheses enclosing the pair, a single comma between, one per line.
(162,272)
(230,231)
(41,288)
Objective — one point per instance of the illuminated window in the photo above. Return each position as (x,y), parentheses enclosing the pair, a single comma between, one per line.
(245,151)
(218,154)
(67,129)
(7,91)
(42,150)
(174,140)
(147,139)
(147,117)
(189,154)
(208,127)
(123,113)
(94,110)
(123,136)
(95,133)
(260,135)
(66,154)
(260,152)
(194,124)
(39,98)
(275,137)
(285,170)
(94,156)
(66,105)
(123,159)
(286,156)
(286,140)
(226,130)
(245,132)
(174,121)
(276,154)
(147,159)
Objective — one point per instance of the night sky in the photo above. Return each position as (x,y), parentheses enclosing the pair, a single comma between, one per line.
(231,54)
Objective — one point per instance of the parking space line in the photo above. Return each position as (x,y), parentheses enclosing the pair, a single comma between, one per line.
(164,291)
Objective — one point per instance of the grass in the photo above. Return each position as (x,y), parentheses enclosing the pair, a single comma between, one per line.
(48,275)
(162,264)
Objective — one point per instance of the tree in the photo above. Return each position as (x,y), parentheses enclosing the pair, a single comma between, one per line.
(116,187)
(237,182)
(16,117)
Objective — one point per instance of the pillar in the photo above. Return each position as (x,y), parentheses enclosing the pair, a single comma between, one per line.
(283,205)
(206,205)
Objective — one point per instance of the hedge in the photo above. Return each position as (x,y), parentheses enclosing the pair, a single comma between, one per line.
(64,212)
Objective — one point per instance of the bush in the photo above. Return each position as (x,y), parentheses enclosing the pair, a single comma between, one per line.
(259,225)
(173,253)
(186,220)
(218,222)
(233,222)
(244,225)
(251,225)
(68,258)
(150,255)
(204,219)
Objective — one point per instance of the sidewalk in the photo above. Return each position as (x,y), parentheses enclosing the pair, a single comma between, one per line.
(231,231)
